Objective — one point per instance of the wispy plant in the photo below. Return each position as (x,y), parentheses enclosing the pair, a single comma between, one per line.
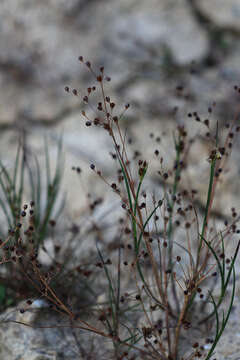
(186,285)
(169,271)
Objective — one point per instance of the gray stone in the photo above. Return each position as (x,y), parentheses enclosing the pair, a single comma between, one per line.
(39,50)
(40,46)
(142,31)
(222,13)
(56,341)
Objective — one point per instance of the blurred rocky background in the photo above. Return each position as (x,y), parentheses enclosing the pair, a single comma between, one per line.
(150,49)
(165,57)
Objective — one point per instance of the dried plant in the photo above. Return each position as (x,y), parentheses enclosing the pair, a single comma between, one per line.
(170,273)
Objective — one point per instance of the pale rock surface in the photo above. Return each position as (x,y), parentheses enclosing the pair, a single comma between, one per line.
(222,13)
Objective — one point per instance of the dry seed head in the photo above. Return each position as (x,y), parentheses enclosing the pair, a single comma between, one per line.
(51,222)
(96,121)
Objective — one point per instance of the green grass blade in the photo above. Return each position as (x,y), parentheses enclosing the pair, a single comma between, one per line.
(112,297)
(219,332)
(146,223)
